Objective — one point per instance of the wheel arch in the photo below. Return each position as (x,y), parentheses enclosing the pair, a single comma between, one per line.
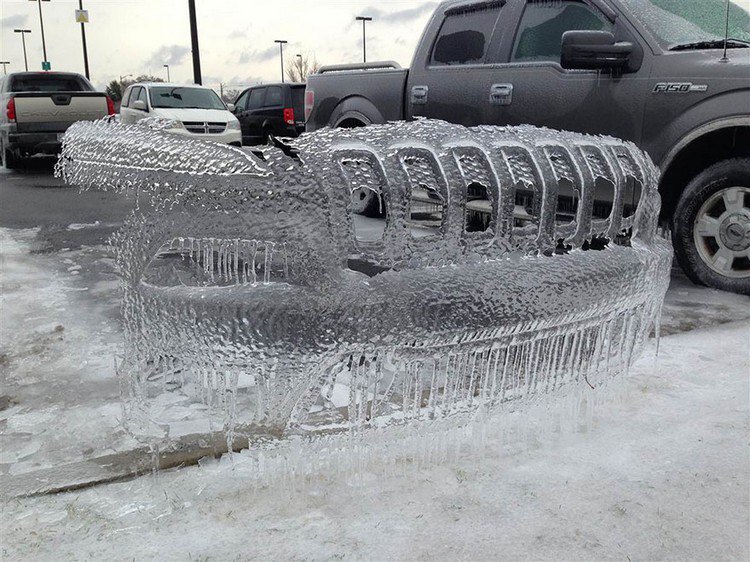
(355,108)
(696,151)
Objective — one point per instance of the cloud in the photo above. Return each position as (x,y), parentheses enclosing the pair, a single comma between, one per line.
(172,55)
(261,56)
(14,21)
(399,16)
(237,34)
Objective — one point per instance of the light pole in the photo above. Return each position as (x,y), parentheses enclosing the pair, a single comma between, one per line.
(83,41)
(364,20)
(281,43)
(194,44)
(167,67)
(23,33)
(4,63)
(41,24)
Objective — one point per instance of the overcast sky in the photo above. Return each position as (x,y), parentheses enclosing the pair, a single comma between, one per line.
(236,36)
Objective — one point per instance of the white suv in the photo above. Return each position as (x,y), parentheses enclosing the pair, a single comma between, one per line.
(196,111)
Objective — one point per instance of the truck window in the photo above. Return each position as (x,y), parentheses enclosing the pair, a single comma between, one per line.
(465,35)
(273,96)
(256,98)
(48,83)
(539,35)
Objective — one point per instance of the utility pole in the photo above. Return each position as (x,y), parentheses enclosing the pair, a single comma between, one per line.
(364,20)
(83,41)
(41,24)
(23,33)
(4,63)
(167,67)
(281,43)
(194,44)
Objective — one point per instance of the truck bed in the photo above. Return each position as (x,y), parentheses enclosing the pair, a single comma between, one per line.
(374,89)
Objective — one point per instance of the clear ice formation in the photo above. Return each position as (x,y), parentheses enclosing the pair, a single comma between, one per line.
(500,274)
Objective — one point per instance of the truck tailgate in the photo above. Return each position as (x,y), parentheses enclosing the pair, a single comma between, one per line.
(56,111)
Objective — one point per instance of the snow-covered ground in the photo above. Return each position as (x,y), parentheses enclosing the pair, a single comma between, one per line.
(661,474)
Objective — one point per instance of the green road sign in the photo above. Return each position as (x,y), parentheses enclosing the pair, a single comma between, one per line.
(46,65)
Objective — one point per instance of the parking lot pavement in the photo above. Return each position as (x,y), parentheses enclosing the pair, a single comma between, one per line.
(33,198)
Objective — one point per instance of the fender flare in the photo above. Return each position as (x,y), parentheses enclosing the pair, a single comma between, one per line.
(356,107)
(695,134)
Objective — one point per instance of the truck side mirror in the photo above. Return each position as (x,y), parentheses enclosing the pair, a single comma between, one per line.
(140,105)
(594,50)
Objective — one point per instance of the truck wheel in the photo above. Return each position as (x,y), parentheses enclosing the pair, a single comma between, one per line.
(711,227)
(366,202)
(8,157)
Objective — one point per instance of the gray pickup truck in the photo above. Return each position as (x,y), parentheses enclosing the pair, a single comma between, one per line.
(669,75)
(36,108)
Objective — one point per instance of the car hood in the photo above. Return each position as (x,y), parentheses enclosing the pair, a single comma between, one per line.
(189,114)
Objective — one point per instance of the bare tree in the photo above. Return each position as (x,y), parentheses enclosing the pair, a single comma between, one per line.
(300,67)
(230,94)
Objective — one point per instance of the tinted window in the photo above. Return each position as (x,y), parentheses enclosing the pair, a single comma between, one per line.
(273,96)
(539,36)
(256,98)
(465,35)
(48,83)
(241,101)
(298,101)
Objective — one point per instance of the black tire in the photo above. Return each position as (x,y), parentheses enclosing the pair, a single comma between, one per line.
(709,242)
(268,136)
(8,157)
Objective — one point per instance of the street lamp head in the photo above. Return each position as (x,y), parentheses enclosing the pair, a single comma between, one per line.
(363,18)
(282,41)
(22,30)
(166,66)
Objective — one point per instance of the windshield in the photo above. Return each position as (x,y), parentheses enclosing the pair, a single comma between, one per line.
(178,97)
(683,22)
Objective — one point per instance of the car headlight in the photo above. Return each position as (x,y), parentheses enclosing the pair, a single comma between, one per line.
(233,125)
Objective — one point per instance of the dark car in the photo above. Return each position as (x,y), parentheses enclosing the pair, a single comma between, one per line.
(671,76)
(271,110)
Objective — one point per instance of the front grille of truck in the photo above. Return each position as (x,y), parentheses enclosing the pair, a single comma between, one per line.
(204,127)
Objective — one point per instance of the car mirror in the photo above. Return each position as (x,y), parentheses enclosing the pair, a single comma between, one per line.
(594,50)
(230,107)
(140,105)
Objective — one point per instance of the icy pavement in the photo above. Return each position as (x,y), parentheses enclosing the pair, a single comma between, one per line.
(662,474)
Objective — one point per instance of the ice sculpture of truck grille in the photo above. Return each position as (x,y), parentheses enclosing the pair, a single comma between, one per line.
(512,263)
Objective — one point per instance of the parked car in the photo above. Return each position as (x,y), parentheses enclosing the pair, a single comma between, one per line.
(38,107)
(195,110)
(271,110)
(651,71)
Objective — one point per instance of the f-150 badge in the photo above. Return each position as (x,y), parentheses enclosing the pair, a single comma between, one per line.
(679,87)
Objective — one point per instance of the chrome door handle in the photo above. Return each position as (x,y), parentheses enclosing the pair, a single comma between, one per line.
(419,95)
(501,94)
